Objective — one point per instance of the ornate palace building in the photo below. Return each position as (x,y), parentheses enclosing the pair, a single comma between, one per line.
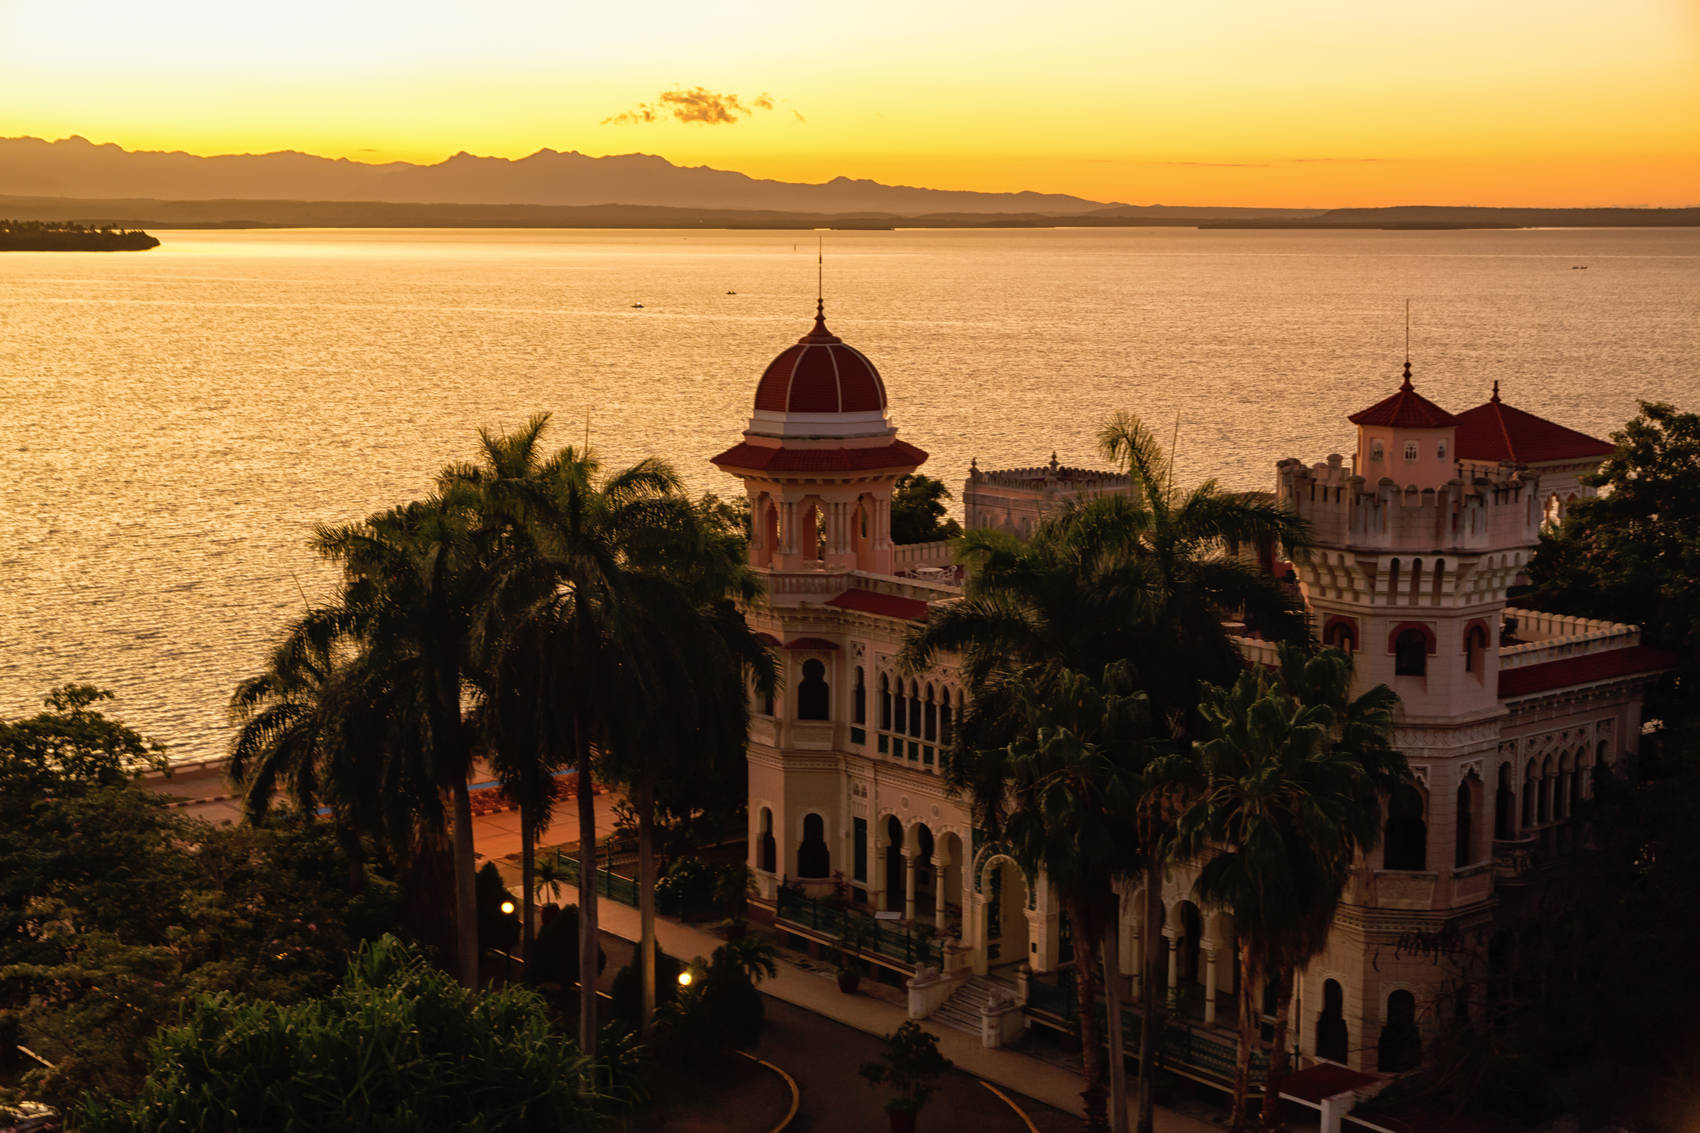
(1416,540)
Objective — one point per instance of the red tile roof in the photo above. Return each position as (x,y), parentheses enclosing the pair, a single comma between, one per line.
(1590,667)
(745,457)
(821,374)
(885,605)
(1496,431)
(1406,409)
(1324,1080)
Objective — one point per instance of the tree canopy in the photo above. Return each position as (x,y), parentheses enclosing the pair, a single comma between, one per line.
(918,510)
(1632,554)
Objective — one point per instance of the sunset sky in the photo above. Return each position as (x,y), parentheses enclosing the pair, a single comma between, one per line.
(1306,103)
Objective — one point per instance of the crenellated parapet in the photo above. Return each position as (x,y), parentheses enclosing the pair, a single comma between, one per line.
(1344,511)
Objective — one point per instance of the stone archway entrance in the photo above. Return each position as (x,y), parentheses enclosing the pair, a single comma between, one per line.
(1005,932)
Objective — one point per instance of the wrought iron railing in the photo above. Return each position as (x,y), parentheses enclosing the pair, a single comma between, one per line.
(855,929)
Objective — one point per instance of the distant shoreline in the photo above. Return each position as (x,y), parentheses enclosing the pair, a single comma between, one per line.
(237,214)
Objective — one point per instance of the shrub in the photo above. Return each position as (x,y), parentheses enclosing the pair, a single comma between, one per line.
(554,954)
(627,991)
(400,1046)
(687,887)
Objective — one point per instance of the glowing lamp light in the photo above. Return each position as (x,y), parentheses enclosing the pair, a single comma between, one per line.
(507,908)
(685,979)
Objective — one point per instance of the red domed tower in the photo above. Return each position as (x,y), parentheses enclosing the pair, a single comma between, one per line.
(819,459)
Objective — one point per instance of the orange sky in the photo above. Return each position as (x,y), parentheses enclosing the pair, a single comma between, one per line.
(1307,103)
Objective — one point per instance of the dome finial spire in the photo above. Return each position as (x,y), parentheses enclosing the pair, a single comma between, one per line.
(1407,382)
(1495,397)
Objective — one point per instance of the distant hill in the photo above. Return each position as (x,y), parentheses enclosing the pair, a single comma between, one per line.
(21,235)
(1447,216)
(77,168)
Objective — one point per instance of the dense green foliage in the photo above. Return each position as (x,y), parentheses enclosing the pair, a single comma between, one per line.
(116,909)
(399,1047)
(918,510)
(1632,554)
(720,1009)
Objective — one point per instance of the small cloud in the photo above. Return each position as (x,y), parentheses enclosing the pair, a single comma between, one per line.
(695,104)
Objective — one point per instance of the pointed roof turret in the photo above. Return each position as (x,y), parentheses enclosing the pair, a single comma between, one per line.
(1406,409)
(1495,431)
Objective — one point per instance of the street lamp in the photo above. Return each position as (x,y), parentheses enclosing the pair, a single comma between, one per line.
(684,977)
(507,953)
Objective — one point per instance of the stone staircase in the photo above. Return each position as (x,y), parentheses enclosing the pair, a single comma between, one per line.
(962,1009)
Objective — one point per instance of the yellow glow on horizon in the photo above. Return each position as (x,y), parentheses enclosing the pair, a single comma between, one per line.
(1316,103)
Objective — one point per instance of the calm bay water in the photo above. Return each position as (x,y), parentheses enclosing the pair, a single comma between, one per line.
(173,423)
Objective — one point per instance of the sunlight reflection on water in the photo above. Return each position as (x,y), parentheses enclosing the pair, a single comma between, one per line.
(175,422)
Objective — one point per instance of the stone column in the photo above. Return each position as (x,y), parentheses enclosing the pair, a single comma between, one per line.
(908,886)
(1174,967)
(1209,954)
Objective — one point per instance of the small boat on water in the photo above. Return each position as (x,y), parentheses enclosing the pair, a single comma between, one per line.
(637,306)
(731,293)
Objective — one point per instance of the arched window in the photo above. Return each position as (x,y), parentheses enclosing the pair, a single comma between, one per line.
(1393,583)
(1332,1037)
(1406,846)
(1401,1045)
(1543,798)
(1475,642)
(1560,805)
(900,715)
(1342,634)
(931,731)
(859,706)
(1504,809)
(1529,795)
(1465,852)
(1377,452)
(1416,581)
(813,858)
(1410,452)
(767,850)
(1440,450)
(885,703)
(914,710)
(945,722)
(1410,653)
(1439,576)
(814,700)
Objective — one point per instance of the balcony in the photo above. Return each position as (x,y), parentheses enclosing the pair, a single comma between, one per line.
(812,735)
(1513,858)
(1404,889)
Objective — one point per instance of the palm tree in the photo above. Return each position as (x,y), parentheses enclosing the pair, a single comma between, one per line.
(309,724)
(1074,775)
(412,582)
(583,616)
(1284,793)
(687,583)
(1144,578)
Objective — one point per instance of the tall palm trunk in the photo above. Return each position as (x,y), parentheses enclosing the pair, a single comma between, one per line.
(1278,1051)
(1086,969)
(1238,1120)
(527,875)
(466,890)
(589,939)
(1113,1020)
(646,896)
(1148,991)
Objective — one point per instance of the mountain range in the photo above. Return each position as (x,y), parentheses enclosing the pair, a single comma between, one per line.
(77,168)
